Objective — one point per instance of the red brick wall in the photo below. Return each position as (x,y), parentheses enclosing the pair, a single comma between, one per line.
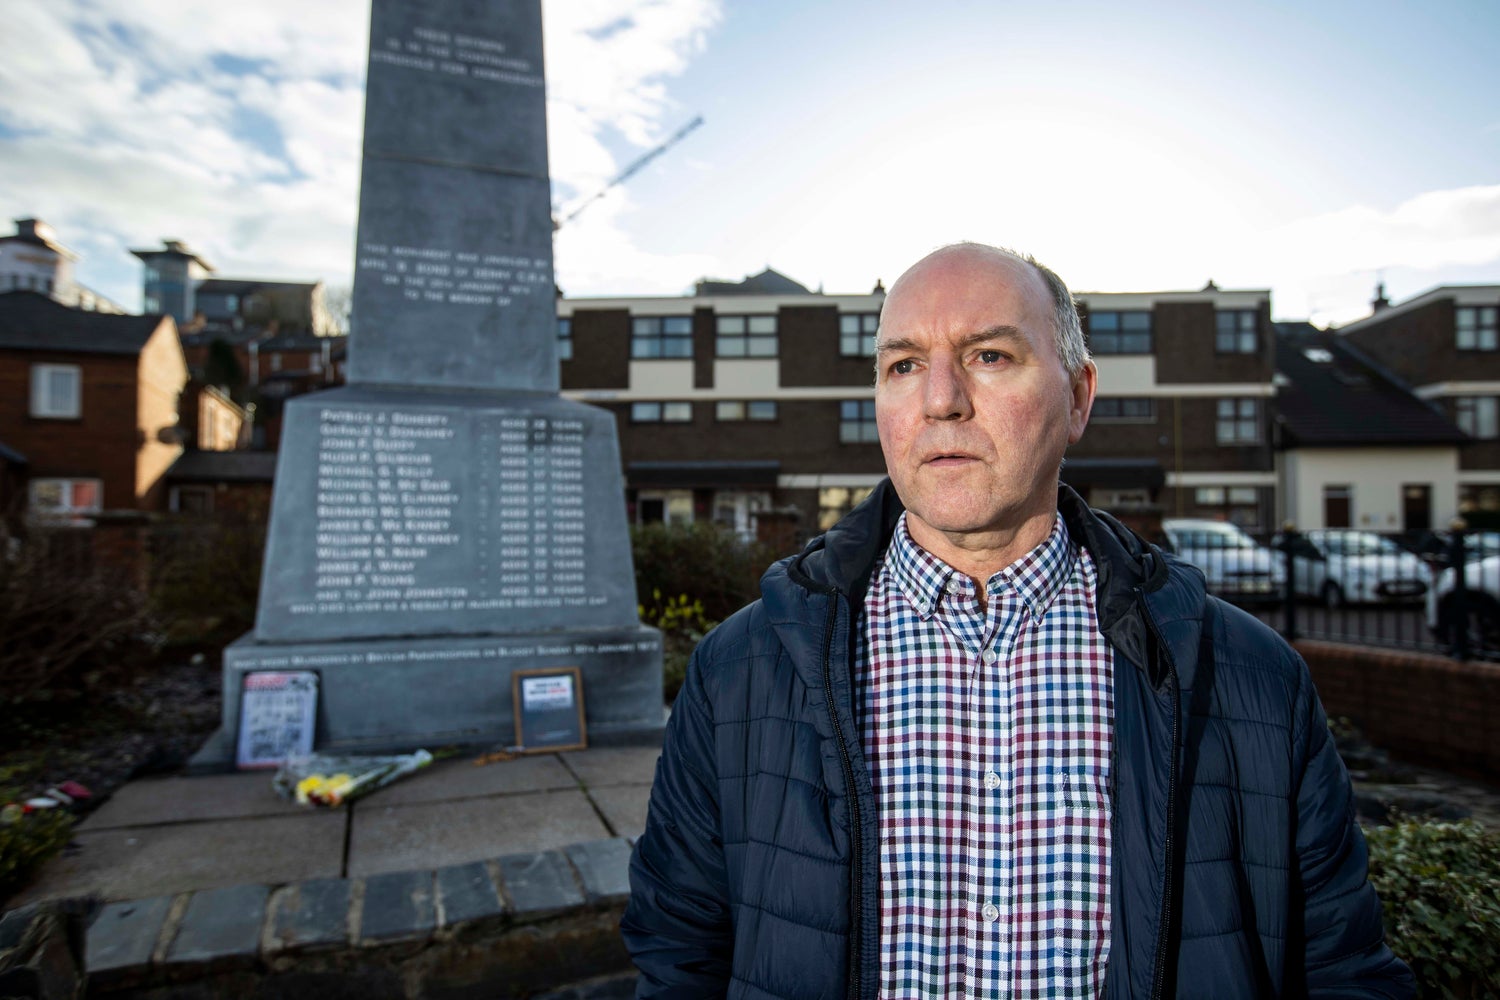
(1415,704)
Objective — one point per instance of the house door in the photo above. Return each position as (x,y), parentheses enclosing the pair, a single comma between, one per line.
(1336,506)
(1416,507)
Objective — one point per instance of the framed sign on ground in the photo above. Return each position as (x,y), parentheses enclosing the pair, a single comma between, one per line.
(549,709)
(278,716)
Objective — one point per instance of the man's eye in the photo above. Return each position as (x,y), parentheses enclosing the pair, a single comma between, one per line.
(990,357)
(904,366)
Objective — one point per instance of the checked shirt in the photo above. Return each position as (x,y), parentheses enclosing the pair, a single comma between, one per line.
(988,733)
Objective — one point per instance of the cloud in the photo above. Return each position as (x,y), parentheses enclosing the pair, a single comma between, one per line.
(237,127)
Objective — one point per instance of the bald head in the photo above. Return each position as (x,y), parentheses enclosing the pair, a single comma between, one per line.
(980,258)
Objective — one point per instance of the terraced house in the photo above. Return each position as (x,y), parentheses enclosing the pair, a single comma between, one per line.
(752,403)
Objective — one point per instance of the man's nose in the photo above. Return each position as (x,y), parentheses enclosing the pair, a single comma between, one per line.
(947,392)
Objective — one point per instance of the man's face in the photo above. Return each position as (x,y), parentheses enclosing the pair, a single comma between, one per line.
(972,401)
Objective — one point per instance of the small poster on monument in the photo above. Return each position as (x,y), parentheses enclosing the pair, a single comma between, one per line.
(549,709)
(278,713)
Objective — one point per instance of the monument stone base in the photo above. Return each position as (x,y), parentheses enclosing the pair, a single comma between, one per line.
(402,694)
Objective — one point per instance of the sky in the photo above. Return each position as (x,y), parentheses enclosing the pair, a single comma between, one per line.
(1310,148)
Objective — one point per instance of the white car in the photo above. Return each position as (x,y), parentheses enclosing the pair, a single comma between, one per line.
(1236,566)
(1341,566)
(1482,602)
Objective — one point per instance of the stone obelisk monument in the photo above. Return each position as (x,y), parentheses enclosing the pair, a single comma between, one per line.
(446,518)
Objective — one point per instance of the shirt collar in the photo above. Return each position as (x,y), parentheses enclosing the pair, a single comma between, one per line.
(1036,577)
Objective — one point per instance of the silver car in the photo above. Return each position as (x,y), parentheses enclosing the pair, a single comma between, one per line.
(1236,566)
(1481,605)
(1341,566)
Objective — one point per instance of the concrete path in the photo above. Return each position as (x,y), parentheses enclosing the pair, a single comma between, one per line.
(183,834)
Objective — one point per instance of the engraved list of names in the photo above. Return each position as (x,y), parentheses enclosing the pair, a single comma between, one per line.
(412,519)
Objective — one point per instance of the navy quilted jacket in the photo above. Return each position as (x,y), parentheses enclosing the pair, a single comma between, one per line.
(1238,870)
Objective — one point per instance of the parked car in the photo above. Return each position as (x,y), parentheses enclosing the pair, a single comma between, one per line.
(1236,566)
(1341,566)
(1481,602)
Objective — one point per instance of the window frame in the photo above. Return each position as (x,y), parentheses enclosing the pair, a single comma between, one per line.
(860,428)
(747,411)
(68,507)
(674,332)
(1237,422)
(1115,340)
(565,338)
(1239,329)
(753,342)
(41,405)
(1103,416)
(1483,332)
(859,342)
(674,411)
(1469,413)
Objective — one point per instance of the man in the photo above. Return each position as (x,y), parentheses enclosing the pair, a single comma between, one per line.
(993,744)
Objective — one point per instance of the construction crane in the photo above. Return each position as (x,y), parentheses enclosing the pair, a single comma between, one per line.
(629,171)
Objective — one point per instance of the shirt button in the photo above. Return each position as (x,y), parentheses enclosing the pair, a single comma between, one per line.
(990,656)
(991,912)
(991,780)
(952,586)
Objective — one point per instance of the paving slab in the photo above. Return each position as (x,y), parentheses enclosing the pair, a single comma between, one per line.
(137,862)
(539,884)
(124,935)
(399,906)
(468,893)
(624,807)
(179,800)
(435,835)
(603,867)
(221,926)
(460,778)
(310,915)
(606,766)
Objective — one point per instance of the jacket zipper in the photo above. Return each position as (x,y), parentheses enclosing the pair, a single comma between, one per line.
(856,887)
(1168,887)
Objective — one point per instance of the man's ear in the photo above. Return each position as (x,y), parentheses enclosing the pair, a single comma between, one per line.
(1084,384)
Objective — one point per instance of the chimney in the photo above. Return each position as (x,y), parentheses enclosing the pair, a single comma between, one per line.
(1379,302)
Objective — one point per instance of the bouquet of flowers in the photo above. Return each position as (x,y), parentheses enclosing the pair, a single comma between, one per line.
(328,780)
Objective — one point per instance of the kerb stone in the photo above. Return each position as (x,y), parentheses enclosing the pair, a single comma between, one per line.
(398,907)
(604,867)
(311,915)
(539,885)
(468,894)
(221,927)
(124,935)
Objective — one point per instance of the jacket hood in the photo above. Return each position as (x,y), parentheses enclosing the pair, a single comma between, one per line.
(843,560)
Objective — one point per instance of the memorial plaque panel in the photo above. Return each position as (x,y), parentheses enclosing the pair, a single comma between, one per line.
(458,82)
(423,516)
(460,261)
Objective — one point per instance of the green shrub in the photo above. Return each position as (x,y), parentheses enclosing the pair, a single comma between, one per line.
(27,842)
(1440,885)
(205,574)
(704,560)
(683,625)
(63,619)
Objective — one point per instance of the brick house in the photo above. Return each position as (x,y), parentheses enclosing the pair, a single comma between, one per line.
(90,400)
(1445,344)
(755,397)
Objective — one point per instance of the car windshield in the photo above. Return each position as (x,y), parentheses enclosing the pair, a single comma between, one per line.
(1198,538)
(1359,544)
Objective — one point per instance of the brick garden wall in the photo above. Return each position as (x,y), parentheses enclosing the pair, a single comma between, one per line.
(1416,704)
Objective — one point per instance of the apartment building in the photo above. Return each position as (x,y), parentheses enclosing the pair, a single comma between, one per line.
(33,259)
(1445,344)
(754,400)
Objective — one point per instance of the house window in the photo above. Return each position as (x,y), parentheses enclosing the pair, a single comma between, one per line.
(55,391)
(661,337)
(565,338)
(746,337)
(836,501)
(1237,504)
(659,413)
(192,499)
(1338,506)
(664,507)
(1238,421)
(735,409)
(857,334)
(1235,331)
(1476,328)
(857,422)
(1125,332)
(1477,416)
(1125,410)
(64,497)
